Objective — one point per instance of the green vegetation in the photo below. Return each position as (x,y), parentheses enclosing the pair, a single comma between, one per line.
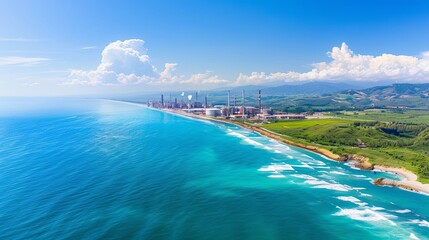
(391,115)
(393,144)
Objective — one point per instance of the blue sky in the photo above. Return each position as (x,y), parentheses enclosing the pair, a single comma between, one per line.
(55,47)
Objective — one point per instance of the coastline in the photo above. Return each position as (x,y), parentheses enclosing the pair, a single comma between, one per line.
(408,179)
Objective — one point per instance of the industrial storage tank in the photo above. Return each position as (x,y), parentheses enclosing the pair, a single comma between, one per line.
(213,112)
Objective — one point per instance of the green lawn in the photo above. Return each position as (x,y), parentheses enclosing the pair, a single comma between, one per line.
(405,116)
(388,144)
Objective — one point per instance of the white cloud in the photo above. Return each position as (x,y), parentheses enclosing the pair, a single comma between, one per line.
(122,62)
(13,60)
(205,78)
(345,65)
(127,62)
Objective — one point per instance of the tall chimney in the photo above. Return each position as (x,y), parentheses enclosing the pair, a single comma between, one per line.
(235,104)
(259,101)
(196,96)
(244,104)
(162,100)
(228,109)
(205,102)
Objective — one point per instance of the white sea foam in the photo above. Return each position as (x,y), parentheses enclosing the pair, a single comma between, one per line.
(366,215)
(325,157)
(402,211)
(377,208)
(317,162)
(301,166)
(277,144)
(276,176)
(306,156)
(276,168)
(267,169)
(337,173)
(334,186)
(351,165)
(236,134)
(315,182)
(304,176)
(252,142)
(352,200)
(325,185)
(412,236)
(365,195)
(421,223)
(326,176)
(305,165)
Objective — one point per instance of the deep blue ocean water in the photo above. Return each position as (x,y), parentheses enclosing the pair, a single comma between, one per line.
(98,169)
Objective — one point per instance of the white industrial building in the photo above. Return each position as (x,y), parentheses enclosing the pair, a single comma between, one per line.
(213,112)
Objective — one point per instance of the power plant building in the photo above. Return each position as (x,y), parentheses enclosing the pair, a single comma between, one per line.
(213,112)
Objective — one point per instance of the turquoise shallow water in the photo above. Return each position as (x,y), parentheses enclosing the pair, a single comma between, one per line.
(96,169)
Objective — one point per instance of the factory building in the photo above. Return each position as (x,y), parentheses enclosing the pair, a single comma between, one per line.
(213,112)
(248,111)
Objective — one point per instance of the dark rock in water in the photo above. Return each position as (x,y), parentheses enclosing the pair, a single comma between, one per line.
(386,182)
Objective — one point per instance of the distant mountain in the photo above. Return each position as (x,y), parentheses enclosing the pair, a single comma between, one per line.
(399,90)
(395,95)
(309,88)
(306,88)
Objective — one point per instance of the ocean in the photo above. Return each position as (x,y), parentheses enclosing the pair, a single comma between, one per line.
(99,169)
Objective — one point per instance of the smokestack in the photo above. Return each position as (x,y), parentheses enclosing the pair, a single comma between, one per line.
(205,102)
(235,104)
(196,96)
(228,109)
(259,101)
(244,103)
(175,102)
(162,100)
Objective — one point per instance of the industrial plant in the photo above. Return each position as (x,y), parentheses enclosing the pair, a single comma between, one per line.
(233,110)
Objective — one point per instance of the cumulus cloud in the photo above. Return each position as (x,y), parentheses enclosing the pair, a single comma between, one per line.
(127,62)
(346,65)
(121,62)
(12,60)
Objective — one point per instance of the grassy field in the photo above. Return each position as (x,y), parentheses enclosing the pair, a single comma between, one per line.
(403,116)
(390,144)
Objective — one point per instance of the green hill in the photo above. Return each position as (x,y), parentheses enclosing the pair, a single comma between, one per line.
(392,144)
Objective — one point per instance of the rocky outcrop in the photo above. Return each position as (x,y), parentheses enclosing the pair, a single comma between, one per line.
(394,183)
(360,162)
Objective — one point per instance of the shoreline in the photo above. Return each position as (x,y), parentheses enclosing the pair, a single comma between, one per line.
(408,180)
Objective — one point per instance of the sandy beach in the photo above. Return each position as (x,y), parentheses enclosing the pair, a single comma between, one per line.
(408,179)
